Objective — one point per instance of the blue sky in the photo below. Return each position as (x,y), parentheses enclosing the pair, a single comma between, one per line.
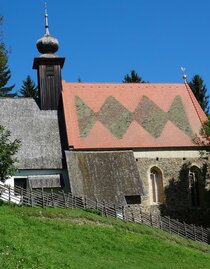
(102,40)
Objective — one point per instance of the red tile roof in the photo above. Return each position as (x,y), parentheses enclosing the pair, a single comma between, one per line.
(106,116)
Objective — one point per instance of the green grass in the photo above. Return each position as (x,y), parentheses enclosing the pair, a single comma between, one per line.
(52,238)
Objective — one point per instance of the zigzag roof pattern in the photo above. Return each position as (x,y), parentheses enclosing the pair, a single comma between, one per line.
(107,116)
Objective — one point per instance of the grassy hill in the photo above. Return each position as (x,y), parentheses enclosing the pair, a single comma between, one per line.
(52,238)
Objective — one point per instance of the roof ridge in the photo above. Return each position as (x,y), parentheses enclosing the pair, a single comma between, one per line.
(120,83)
(195,104)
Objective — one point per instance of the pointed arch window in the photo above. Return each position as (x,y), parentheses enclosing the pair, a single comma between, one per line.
(156,183)
(194,175)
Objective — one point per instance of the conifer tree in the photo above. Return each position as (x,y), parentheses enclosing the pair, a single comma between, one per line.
(200,92)
(5,73)
(133,77)
(28,88)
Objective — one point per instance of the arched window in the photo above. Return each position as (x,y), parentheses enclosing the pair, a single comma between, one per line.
(194,175)
(156,183)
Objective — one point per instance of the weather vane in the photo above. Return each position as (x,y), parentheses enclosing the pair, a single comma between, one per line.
(184,76)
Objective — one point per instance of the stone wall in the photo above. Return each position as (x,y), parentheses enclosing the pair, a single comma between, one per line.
(176,186)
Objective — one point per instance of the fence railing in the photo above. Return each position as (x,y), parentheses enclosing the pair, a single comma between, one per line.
(191,231)
(41,198)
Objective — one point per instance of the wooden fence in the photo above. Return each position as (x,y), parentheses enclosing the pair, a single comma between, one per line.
(41,198)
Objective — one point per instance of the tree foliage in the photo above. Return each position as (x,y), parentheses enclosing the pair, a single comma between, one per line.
(28,88)
(5,73)
(205,130)
(203,138)
(200,92)
(133,77)
(7,150)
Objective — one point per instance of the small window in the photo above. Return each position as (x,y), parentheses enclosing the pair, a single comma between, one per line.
(194,175)
(133,199)
(156,183)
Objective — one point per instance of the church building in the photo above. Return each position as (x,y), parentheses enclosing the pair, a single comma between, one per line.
(129,144)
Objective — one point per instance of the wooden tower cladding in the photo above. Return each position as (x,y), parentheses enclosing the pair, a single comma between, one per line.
(49,81)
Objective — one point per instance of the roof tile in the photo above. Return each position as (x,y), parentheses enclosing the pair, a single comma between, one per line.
(129,115)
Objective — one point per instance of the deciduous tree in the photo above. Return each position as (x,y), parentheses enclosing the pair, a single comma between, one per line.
(8,149)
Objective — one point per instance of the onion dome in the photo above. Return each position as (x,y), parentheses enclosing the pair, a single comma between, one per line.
(47,44)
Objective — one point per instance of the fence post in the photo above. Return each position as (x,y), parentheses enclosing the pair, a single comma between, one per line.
(85,202)
(52,198)
(9,189)
(31,198)
(169,224)
(160,222)
(194,231)
(67,199)
(21,195)
(42,198)
(132,215)
(140,212)
(97,205)
(185,230)
(150,216)
(47,202)
(72,201)
(64,199)
(104,208)
(202,234)
(115,210)
(123,212)
(178,227)
(75,201)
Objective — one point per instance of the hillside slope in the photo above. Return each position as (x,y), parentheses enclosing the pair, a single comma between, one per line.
(52,238)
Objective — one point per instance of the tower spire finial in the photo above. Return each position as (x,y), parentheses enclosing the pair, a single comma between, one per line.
(46,21)
(47,44)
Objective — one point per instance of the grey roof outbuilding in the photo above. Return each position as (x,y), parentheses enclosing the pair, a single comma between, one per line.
(38,131)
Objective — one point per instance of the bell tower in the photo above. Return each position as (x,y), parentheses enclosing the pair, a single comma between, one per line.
(48,66)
